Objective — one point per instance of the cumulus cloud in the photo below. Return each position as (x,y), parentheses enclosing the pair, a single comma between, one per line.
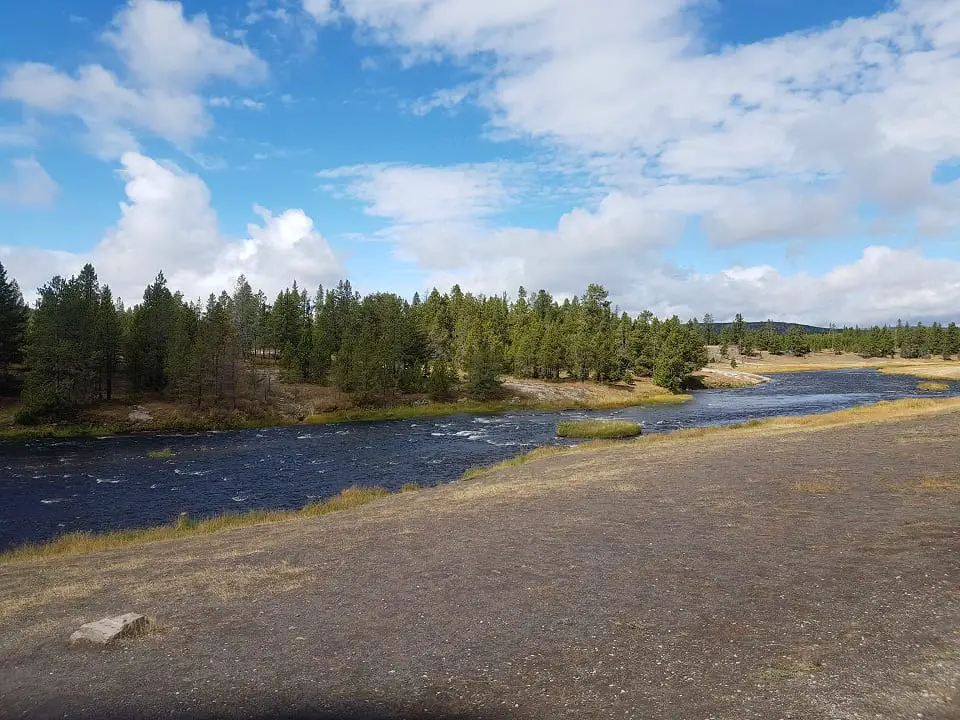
(857,113)
(31,185)
(804,138)
(441,219)
(166,58)
(167,223)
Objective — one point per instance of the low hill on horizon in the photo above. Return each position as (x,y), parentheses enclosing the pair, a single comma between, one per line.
(781,328)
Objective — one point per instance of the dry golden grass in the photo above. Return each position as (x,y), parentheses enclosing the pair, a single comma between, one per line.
(929,484)
(75,591)
(532,456)
(930,370)
(928,386)
(82,543)
(828,360)
(598,429)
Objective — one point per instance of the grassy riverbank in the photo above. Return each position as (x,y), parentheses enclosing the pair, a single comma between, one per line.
(526,396)
(83,543)
(930,370)
(766,364)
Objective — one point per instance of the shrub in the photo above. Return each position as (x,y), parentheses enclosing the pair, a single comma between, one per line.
(26,416)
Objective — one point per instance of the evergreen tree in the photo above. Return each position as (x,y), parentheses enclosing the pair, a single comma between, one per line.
(71,344)
(796,342)
(13,323)
(483,367)
(148,337)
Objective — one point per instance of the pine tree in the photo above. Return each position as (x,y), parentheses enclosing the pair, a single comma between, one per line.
(796,342)
(483,366)
(13,323)
(148,338)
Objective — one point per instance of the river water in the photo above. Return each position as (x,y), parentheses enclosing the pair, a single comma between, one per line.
(50,487)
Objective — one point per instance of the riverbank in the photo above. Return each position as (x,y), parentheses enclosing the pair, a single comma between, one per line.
(926,371)
(119,417)
(612,580)
(82,543)
(765,363)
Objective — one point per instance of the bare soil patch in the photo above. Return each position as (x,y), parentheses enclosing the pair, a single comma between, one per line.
(806,573)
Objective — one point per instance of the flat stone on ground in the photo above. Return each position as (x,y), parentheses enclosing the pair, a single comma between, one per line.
(108,629)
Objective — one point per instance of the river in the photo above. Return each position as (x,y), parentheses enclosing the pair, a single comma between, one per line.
(51,487)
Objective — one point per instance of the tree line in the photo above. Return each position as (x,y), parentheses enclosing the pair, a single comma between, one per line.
(77,344)
(906,340)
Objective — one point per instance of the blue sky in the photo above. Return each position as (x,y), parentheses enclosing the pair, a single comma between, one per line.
(797,160)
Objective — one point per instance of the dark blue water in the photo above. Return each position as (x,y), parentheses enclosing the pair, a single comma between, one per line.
(51,487)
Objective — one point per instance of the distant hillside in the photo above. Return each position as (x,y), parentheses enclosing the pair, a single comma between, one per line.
(781,328)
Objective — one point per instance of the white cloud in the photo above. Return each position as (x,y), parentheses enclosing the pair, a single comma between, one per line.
(226,102)
(412,194)
(167,223)
(21,135)
(865,108)
(446,98)
(167,58)
(440,219)
(322,11)
(31,185)
(883,285)
(166,50)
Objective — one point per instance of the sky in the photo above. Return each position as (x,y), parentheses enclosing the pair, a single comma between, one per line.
(788,159)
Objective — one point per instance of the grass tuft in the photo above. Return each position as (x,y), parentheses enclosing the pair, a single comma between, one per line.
(162,454)
(929,484)
(81,543)
(598,429)
(930,386)
(410,487)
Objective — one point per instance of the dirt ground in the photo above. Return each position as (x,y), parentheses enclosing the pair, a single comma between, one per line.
(808,574)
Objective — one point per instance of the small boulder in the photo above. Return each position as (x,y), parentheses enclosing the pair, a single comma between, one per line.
(108,629)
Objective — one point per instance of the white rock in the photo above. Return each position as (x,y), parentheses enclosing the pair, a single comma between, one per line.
(111,628)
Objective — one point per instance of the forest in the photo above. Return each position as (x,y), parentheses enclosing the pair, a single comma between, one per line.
(903,340)
(77,345)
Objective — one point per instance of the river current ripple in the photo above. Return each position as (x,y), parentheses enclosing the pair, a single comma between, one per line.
(50,487)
